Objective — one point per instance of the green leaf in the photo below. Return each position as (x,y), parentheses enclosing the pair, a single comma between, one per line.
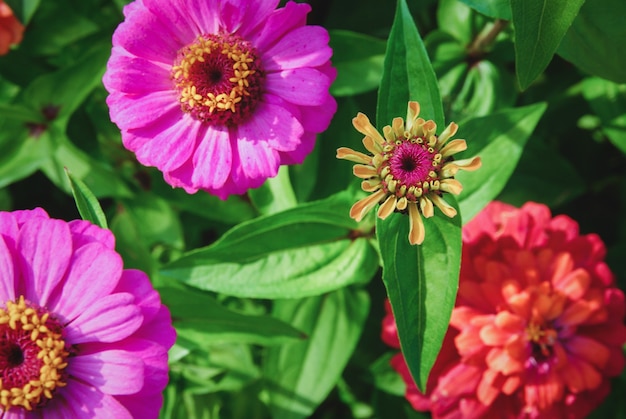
(300,375)
(608,101)
(539,27)
(23,9)
(421,283)
(359,62)
(499,140)
(20,155)
(87,204)
(199,317)
(295,253)
(500,9)
(595,42)
(408,74)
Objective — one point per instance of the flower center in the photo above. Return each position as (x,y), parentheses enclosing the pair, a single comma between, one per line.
(33,356)
(410,168)
(542,338)
(219,79)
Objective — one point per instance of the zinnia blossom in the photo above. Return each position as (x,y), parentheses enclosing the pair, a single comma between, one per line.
(409,169)
(537,329)
(80,337)
(11,30)
(217,94)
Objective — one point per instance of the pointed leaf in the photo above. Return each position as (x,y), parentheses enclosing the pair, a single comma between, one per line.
(421,282)
(86,202)
(539,27)
(408,74)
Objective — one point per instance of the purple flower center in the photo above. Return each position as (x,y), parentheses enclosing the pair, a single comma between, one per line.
(219,79)
(33,356)
(410,168)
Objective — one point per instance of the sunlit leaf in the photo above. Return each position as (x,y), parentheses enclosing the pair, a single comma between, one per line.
(87,204)
(300,375)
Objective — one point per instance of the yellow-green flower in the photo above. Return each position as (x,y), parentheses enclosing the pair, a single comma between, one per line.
(410,169)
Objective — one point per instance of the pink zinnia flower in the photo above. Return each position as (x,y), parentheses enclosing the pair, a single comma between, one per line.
(217,94)
(537,329)
(80,336)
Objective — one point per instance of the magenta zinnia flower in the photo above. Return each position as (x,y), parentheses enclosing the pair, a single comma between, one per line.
(80,337)
(217,94)
(537,330)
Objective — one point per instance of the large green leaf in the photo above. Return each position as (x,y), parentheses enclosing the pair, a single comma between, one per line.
(200,318)
(595,41)
(300,375)
(499,140)
(359,62)
(275,195)
(421,282)
(408,74)
(307,250)
(539,27)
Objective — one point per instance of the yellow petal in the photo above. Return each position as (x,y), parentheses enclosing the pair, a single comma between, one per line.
(401,204)
(453,147)
(371,145)
(351,155)
(371,185)
(452,186)
(388,134)
(446,208)
(387,207)
(416,226)
(398,127)
(364,171)
(362,124)
(360,208)
(447,133)
(413,110)
(427,206)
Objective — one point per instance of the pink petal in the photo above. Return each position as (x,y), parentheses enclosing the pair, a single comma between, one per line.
(21,216)
(205,14)
(109,319)
(257,162)
(87,402)
(7,273)
(280,22)
(84,232)
(8,228)
(212,159)
(317,118)
(137,283)
(144,35)
(302,86)
(132,74)
(45,247)
(93,273)
(175,16)
(159,329)
(297,156)
(242,16)
(137,406)
(112,372)
(273,125)
(172,142)
(138,111)
(306,46)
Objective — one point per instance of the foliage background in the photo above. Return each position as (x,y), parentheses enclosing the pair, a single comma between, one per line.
(277,296)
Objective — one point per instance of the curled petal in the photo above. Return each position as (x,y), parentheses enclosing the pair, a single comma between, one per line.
(450,169)
(413,110)
(351,155)
(364,171)
(453,147)
(447,134)
(452,186)
(427,207)
(446,208)
(398,127)
(416,226)
(358,210)
(371,185)
(402,203)
(387,207)
(362,124)
(371,145)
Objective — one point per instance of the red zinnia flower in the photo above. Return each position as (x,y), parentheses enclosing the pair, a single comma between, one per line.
(11,30)
(537,329)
